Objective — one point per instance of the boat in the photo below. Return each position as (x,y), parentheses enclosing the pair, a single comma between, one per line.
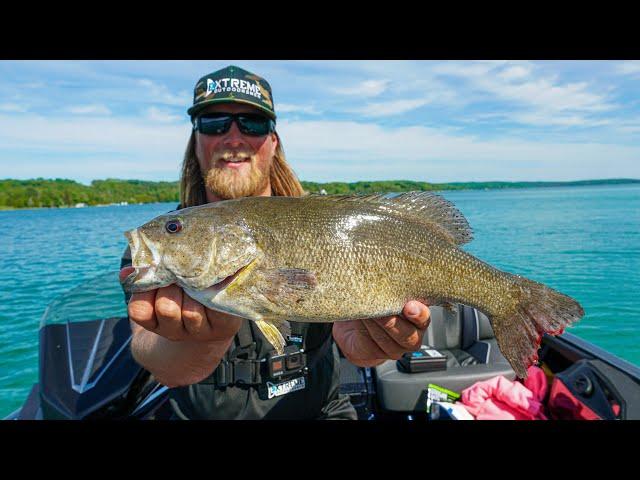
(86,370)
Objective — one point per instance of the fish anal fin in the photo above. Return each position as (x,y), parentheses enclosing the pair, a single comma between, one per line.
(275,331)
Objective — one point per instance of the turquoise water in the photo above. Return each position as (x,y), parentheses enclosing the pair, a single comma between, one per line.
(583,241)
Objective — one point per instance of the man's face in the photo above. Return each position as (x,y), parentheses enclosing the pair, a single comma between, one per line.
(235,165)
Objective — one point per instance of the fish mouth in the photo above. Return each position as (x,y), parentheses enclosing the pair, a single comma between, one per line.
(139,274)
(145,261)
(141,279)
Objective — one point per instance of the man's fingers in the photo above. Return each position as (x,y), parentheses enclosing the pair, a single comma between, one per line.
(357,344)
(417,313)
(169,303)
(401,331)
(222,325)
(382,338)
(141,309)
(169,312)
(194,317)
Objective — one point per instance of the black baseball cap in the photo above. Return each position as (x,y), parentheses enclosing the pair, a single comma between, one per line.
(232,84)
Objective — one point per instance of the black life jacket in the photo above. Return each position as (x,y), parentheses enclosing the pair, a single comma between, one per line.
(319,399)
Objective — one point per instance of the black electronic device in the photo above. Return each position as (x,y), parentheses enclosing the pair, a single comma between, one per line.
(291,362)
(427,359)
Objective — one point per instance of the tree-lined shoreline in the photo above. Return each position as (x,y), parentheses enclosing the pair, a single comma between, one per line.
(60,193)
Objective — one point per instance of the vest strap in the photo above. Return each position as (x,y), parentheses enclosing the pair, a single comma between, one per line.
(241,366)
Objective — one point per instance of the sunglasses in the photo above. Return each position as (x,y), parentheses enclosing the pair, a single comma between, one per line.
(248,123)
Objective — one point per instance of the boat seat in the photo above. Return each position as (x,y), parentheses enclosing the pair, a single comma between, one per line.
(465,336)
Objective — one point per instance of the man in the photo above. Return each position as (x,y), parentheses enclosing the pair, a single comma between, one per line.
(234,151)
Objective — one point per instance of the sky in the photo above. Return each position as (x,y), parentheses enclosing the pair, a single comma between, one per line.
(434,121)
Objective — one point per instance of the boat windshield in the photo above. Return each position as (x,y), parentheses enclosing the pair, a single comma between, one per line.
(98,298)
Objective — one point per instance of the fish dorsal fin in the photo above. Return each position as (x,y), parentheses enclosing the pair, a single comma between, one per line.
(426,207)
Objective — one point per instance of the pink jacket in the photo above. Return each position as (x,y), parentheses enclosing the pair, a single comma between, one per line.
(501,399)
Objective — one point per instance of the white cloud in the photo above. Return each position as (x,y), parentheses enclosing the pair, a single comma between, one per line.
(94,109)
(393,107)
(12,107)
(123,147)
(160,93)
(317,150)
(437,95)
(469,70)
(628,68)
(368,88)
(351,150)
(629,125)
(549,118)
(294,108)
(519,84)
(515,72)
(543,93)
(158,115)
(548,100)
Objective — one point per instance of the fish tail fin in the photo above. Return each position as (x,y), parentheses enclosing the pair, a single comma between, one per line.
(540,310)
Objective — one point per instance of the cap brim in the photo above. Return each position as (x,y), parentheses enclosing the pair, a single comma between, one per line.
(195,109)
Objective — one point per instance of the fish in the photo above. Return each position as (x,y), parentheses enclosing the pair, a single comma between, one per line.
(331,258)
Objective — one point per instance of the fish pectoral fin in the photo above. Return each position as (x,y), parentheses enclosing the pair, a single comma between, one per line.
(293,277)
(288,285)
(276,331)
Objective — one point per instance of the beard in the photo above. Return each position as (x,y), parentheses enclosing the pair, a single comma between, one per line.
(228,183)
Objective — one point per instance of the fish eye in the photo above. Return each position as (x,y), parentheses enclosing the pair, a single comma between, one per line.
(173,226)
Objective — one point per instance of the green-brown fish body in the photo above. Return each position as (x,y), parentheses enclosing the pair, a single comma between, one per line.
(334,258)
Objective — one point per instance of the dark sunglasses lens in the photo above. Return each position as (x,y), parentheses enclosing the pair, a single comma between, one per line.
(254,124)
(214,125)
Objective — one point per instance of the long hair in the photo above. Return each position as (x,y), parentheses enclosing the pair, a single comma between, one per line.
(284,181)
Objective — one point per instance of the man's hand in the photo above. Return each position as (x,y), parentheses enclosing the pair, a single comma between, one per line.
(177,339)
(370,342)
(174,315)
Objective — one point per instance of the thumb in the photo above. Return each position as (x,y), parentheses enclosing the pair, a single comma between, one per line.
(417,313)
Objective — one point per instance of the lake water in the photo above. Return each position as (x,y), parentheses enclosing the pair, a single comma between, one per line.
(583,241)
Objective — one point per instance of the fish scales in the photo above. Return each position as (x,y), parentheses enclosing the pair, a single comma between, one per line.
(372,263)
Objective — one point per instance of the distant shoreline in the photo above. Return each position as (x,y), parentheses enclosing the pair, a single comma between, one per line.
(67,207)
(61,193)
